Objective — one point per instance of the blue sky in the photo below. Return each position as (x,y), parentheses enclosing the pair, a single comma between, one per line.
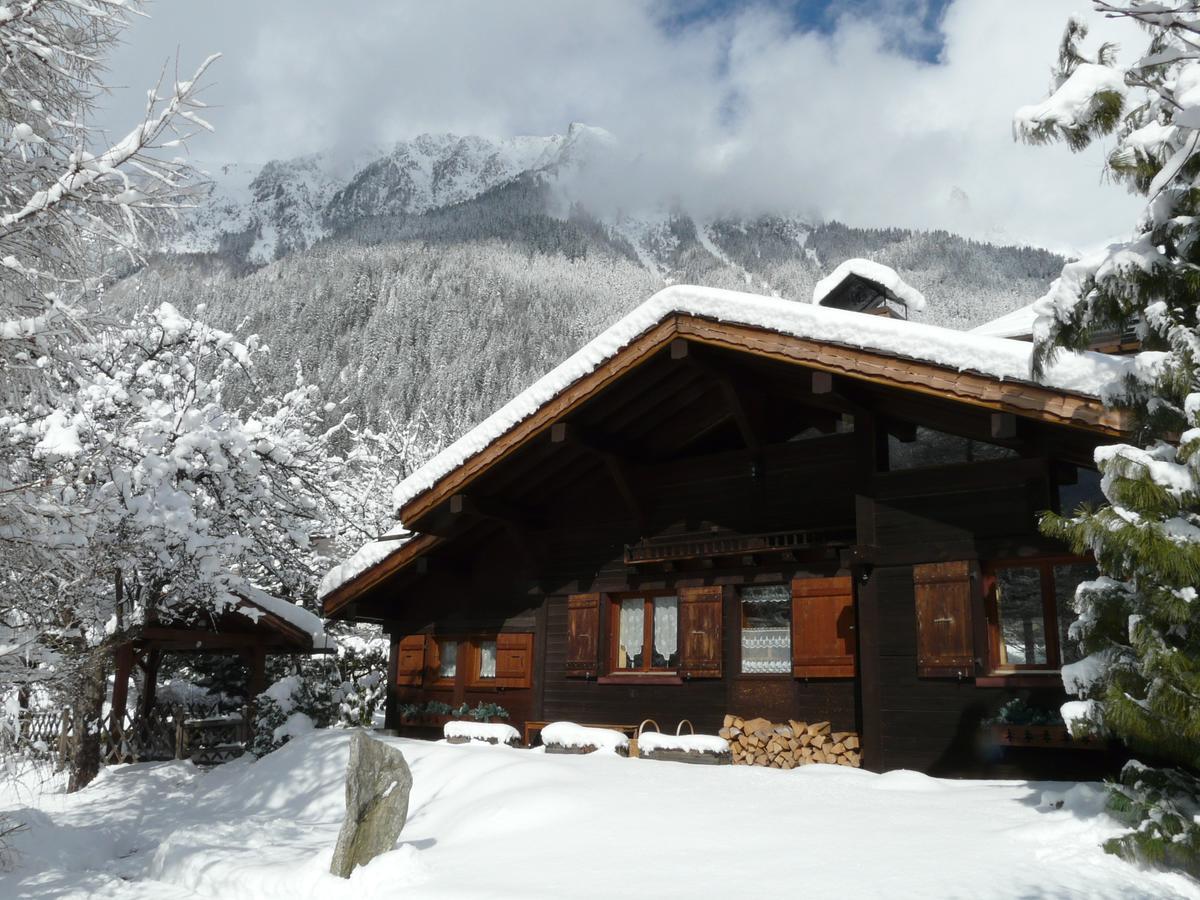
(923,39)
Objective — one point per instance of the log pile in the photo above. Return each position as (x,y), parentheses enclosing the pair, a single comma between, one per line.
(785,745)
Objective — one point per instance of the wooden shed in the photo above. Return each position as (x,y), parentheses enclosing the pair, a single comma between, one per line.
(732,504)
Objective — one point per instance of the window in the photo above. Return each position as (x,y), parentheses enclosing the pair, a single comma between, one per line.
(487,659)
(937,448)
(1080,488)
(766,629)
(447,660)
(1030,611)
(645,632)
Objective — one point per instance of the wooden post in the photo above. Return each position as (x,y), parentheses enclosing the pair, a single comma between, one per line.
(180,734)
(120,694)
(150,683)
(257,681)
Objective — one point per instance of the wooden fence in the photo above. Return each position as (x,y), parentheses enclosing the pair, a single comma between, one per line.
(167,733)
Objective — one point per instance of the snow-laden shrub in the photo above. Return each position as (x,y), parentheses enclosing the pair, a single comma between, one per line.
(322,693)
(292,705)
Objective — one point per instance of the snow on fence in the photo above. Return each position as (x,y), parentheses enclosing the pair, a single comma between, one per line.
(785,745)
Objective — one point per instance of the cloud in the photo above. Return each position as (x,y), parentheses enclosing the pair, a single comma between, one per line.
(736,108)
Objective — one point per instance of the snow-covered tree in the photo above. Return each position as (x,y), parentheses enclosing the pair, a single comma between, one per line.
(1140,623)
(166,501)
(72,206)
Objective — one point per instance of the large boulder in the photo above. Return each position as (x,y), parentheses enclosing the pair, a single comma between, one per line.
(378,782)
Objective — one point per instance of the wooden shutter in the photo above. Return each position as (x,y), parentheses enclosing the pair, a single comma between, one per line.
(514,660)
(410,661)
(583,635)
(700,642)
(944,593)
(823,637)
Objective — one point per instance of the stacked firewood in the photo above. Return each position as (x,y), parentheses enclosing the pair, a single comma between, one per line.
(785,745)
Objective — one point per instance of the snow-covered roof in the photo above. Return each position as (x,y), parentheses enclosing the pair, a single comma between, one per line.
(365,557)
(879,274)
(257,602)
(1077,373)
(1016,324)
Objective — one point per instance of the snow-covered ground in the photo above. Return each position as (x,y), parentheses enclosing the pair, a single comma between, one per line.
(490,821)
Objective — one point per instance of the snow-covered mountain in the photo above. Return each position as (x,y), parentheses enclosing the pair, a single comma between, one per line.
(261,213)
(432,280)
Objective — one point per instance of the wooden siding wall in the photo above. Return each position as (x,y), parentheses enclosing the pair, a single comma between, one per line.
(933,724)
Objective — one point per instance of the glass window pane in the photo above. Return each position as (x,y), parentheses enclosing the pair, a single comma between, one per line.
(767,629)
(936,448)
(487,659)
(666,633)
(1067,578)
(448,656)
(1022,618)
(631,633)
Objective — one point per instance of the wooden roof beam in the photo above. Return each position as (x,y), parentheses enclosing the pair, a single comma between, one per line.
(618,471)
(681,351)
(503,511)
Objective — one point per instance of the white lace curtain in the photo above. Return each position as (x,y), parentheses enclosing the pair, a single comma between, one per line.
(633,616)
(448,658)
(666,626)
(487,659)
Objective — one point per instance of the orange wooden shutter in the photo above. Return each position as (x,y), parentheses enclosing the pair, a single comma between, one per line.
(583,634)
(823,639)
(514,660)
(700,631)
(410,662)
(945,643)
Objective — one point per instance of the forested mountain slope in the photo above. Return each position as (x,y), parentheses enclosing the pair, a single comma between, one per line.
(440,278)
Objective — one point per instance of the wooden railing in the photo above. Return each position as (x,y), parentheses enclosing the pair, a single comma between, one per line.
(709,544)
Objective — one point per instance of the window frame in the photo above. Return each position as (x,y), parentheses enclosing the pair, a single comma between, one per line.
(437,682)
(613,623)
(1045,566)
(475,680)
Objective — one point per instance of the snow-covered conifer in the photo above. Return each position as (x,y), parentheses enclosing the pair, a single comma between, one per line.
(1140,623)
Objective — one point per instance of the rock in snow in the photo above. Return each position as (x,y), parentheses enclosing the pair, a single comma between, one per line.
(378,783)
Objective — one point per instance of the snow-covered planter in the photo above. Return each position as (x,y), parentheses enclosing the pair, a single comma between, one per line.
(459,732)
(567,737)
(707,749)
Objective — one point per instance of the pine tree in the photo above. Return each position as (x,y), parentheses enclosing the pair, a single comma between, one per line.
(1140,622)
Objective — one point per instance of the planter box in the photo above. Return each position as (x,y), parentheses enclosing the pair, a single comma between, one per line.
(696,757)
(1047,737)
(580,751)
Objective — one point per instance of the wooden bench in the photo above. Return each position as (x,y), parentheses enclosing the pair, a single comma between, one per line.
(535,728)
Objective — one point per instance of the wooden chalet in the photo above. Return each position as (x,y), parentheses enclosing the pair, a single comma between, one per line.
(737,504)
